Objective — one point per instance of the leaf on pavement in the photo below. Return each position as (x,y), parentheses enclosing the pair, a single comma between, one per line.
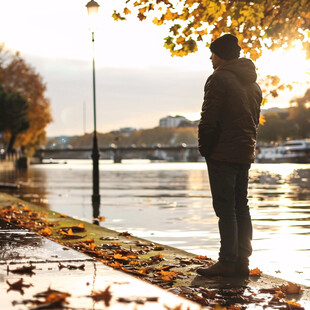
(23,270)
(255,272)
(104,296)
(17,286)
(291,288)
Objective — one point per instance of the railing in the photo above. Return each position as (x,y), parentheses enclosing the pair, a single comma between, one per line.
(172,153)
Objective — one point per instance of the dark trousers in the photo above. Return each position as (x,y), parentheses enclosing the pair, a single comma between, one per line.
(229,184)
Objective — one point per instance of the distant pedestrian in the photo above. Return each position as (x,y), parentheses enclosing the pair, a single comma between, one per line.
(227,138)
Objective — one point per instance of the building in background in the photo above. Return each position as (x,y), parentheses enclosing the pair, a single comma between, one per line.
(171,121)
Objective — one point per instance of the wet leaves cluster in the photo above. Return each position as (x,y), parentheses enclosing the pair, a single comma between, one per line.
(237,298)
(145,260)
(49,299)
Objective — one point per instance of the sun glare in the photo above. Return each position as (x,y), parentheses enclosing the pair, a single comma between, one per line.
(290,65)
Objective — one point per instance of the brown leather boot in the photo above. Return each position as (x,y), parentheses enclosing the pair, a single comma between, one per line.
(218,269)
(242,270)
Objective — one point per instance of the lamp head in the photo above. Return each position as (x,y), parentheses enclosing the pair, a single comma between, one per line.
(92,8)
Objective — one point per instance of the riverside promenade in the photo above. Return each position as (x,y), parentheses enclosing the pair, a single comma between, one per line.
(51,261)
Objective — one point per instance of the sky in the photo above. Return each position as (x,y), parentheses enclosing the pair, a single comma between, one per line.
(137,81)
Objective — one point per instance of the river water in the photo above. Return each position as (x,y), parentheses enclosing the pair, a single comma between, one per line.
(171,203)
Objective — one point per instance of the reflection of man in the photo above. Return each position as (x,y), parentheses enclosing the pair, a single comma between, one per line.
(227,137)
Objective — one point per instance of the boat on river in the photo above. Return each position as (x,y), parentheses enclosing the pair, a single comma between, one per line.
(293,151)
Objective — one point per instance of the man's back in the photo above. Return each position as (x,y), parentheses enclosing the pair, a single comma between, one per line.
(231,107)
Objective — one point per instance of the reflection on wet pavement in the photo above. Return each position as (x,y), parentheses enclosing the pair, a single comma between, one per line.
(171,203)
(19,246)
(39,267)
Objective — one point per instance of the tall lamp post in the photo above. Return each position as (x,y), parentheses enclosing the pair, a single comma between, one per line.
(92,9)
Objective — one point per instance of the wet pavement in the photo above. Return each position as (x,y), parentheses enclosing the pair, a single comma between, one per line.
(48,267)
(38,273)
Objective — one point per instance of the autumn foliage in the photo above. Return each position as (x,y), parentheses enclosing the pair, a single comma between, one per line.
(16,76)
(257,24)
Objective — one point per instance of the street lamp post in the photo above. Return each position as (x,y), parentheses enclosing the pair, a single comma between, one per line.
(92,9)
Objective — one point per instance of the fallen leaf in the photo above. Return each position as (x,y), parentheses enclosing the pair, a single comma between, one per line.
(291,288)
(202,257)
(57,297)
(137,300)
(49,291)
(45,232)
(255,272)
(116,265)
(71,267)
(158,248)
(17,286)
(157,258)
(23,270)
(125,233)
(167,275)
(104,296)
(293,304)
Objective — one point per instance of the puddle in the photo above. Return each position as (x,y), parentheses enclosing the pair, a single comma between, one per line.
(21,246)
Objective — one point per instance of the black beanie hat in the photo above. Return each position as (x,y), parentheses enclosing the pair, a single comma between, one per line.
(226,47)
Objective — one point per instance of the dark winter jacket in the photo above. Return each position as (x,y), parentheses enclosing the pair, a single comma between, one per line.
(230,113)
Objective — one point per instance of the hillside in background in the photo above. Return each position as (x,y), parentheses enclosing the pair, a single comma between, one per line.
(143,137)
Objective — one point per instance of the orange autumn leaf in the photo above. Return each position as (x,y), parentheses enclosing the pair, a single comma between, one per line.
(142,271)
(255,272)
(120,256)
(92,246)
(45,232)
(62,215)
(279,294)
(167,275)
(57,297)
(133,262)
(293,303)
(126,11)
(201,257)
(26,208)
(101,218)
(116,265)
(132,256)
(157,258)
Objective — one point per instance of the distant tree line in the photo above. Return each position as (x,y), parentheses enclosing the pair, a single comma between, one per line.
(25,111)
(146,137)
(294,124)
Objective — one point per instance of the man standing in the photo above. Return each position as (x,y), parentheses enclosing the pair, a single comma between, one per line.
(227,138)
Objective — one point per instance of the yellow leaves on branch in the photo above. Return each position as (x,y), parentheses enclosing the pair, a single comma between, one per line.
(262,120)
(126,11)
(281,21)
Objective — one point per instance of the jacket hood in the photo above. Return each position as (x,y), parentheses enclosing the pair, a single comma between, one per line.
(243,68)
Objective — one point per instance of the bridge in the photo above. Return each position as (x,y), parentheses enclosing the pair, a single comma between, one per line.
(169,153)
